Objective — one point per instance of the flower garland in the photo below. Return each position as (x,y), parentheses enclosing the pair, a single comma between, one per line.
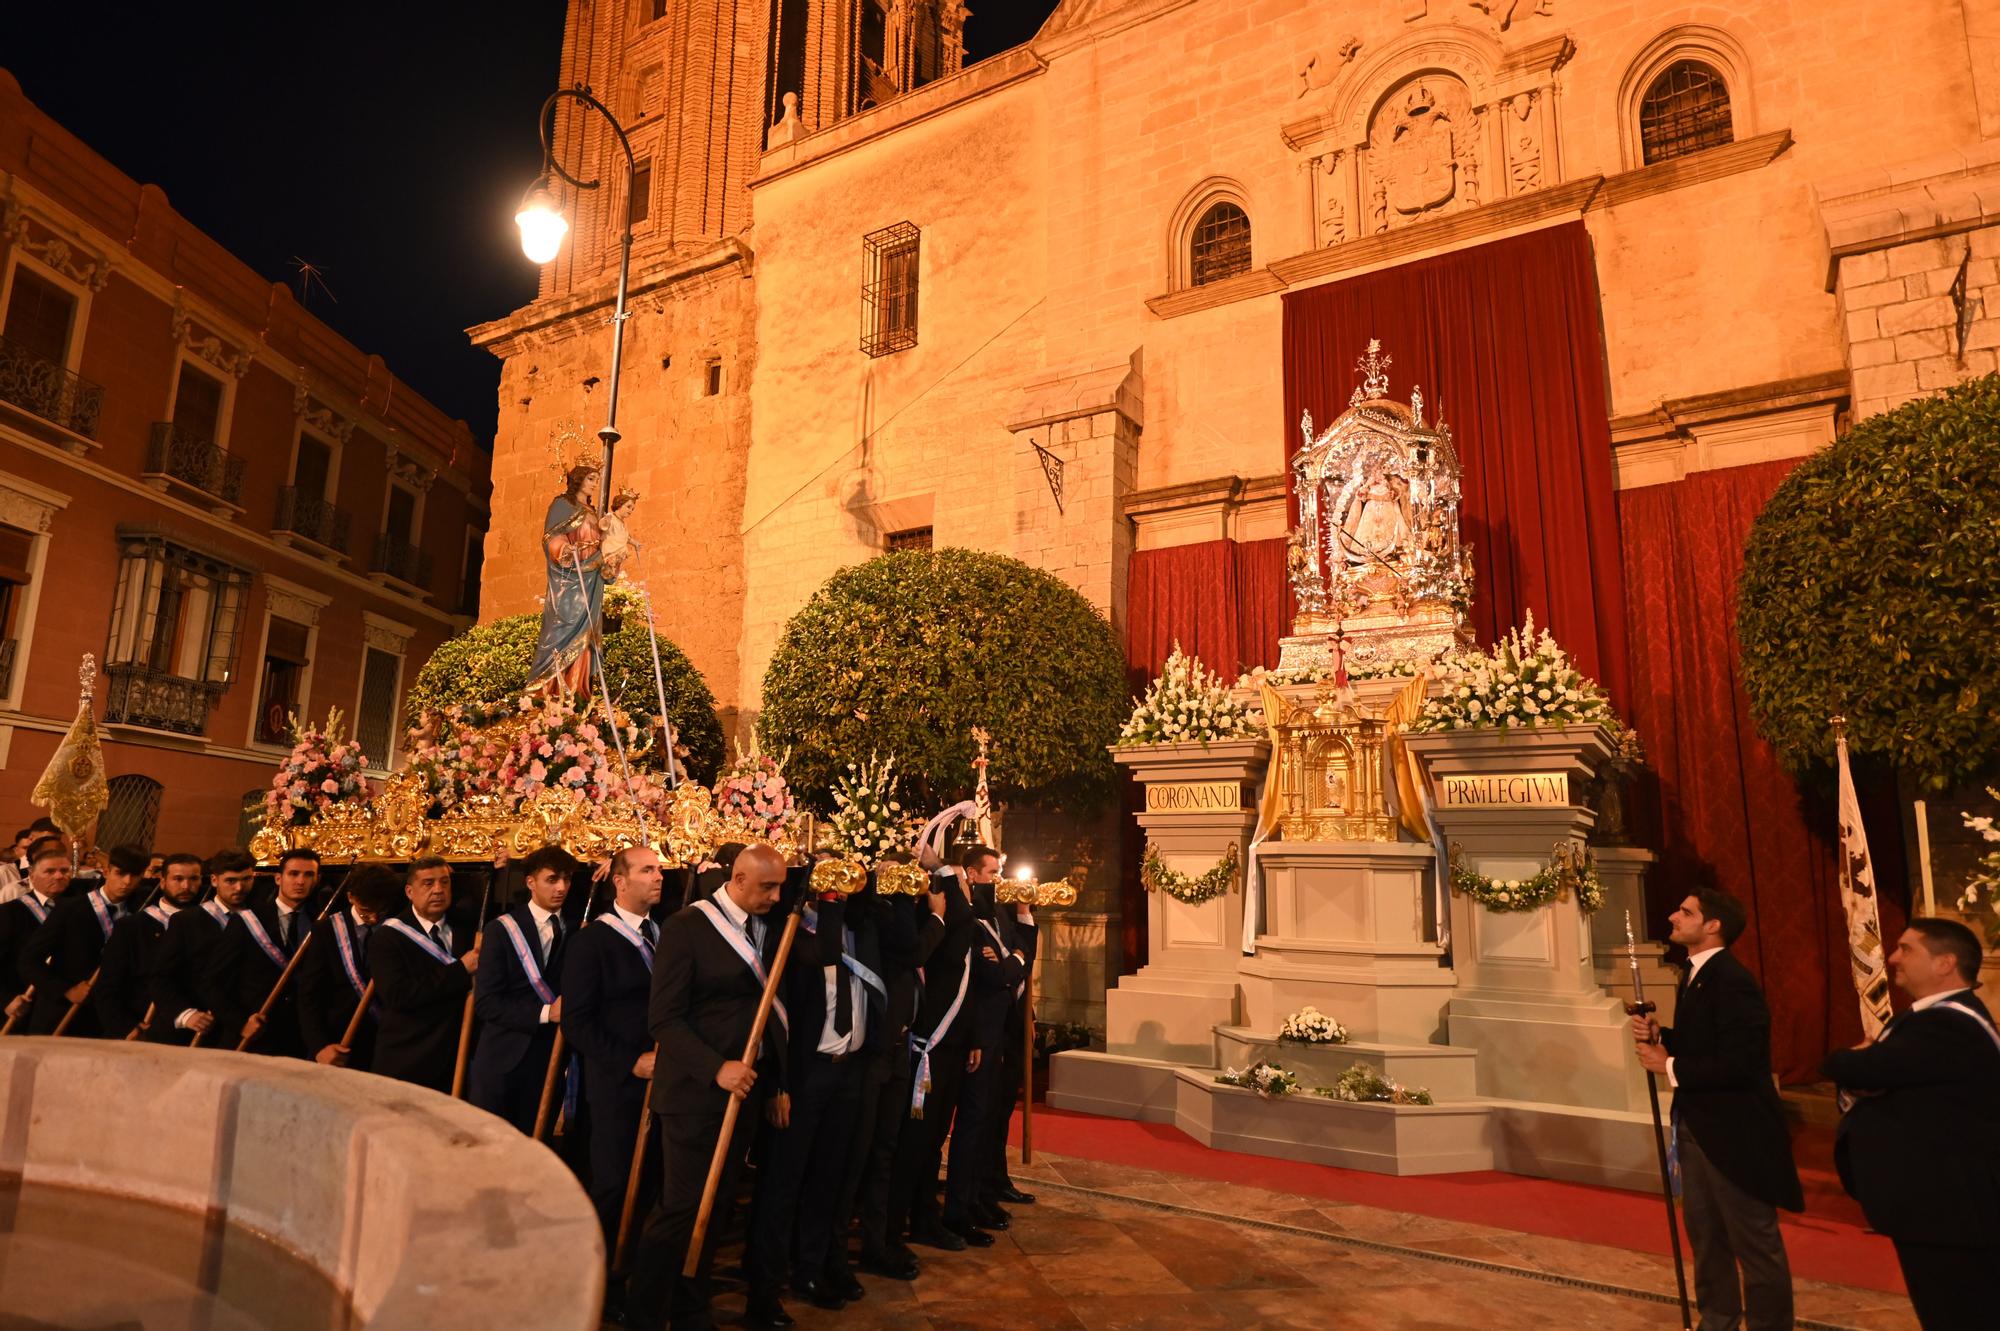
(1526,680)
(1187,705)
(1155,876)
(1402,668)
(868,823)
(1311,1026)
(753,788)
(1361,1084)
(1568,870)
(1985,882)
(322,770)
(1268,1079)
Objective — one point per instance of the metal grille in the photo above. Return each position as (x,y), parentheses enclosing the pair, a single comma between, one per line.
(1685,111)
(132,815)
(889,298)
(402,561)
(910,538)
(139,695)
(1221,245)
(194,461)
(7,649)
(301,513)
(45,388)
(379,670)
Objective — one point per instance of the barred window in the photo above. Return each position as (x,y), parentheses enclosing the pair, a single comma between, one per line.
(132,812)
(375,718)
(910,538)
(889,297)
(1220,246)
(1684,111)
(640,206)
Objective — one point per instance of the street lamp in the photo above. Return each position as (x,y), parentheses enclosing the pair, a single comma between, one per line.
(543,227)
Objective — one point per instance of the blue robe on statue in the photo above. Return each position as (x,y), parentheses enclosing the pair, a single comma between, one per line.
(574,603)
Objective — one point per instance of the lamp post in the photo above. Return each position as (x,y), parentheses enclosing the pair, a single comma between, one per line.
(543,227)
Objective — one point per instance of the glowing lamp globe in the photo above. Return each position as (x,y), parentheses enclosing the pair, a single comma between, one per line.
(542,226)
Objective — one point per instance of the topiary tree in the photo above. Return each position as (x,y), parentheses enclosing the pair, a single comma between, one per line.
(906,653)
(1871,589)
(489,665)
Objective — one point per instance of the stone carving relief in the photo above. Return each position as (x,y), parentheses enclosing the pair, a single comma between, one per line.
(1508,12)
(24,512)
(75,264)
(1418,143)
(1319,71)
(411,472)
(1524,146)
(229,359)
(319,417)
(294,603)
(384,634)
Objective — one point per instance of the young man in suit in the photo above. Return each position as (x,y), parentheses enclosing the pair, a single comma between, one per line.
(334,974)
(1017,933)
(837,1000)
(123,992)
(997,971)
(941,1054)
(1920,1148)
(1735,1155)
(60,958)
(423,970)
(1007,950)
(179,1013)
(907,932)
(607,980)
(48,874)
(518,994)
(708,979)
(243,967)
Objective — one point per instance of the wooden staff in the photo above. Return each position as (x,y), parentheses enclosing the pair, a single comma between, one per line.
(465,1023)
(621,1249)
(28,1001)
(1028,1074)
(145,1023)
(90,984)
(729,1116)
(347,1037)
(285,975)
(545,1110)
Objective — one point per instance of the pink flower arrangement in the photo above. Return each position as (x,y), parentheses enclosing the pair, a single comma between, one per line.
(323,769)
(561,748)
(753,788)
(458,753)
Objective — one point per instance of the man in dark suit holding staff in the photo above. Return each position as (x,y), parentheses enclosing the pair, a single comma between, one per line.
(1920,1146)
(1735,1155)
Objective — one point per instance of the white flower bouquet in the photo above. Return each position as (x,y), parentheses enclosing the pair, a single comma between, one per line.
(1265,1078)
(1984,885)
(1187,705)
(1526,680)
(868,821)
(1311,1026)
(1362,1084)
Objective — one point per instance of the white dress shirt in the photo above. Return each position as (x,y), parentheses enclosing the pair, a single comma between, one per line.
(750,926)
(830,1040)
(544,933)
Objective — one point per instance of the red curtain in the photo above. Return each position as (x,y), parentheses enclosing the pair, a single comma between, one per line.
(1727,813)
(1504,339)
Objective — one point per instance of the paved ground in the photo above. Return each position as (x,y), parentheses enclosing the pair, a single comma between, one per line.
(1112,1248)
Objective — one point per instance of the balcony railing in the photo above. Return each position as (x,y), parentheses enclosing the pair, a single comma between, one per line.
(313,518)
(7,649)
(137,695)
(401,561)
(48,390)
(194,461)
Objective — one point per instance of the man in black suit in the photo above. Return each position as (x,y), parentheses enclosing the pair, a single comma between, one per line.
(708,978)
(423,970)
(179,1012)
(607,981)
(1006,949)
(60,958)
(518,995)
(334,973)
(48,875)
(243,967)
(941,1050)
(837,1000)
(1920,1148)
(122,995)
(1017,933)
(906,933)
(1735,1155)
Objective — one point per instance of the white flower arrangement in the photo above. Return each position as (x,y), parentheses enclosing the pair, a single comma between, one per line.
(1984,885)
(1311,1026)
(868,822)
(1405,668)
(1187,705)
(1362,1084)
(1526,680)
(1267,1079)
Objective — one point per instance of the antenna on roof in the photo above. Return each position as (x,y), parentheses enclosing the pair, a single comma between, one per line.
(310,275)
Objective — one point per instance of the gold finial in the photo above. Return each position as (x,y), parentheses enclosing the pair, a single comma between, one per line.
(570,447)
(86,676)
(1375,366)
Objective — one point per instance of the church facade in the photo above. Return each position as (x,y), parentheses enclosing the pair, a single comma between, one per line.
(1068,302)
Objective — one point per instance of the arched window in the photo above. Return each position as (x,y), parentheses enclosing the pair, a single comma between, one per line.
(132,813)
(1685,109)
(1219,245)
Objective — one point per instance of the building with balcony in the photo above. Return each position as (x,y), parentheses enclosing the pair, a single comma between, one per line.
(240,514)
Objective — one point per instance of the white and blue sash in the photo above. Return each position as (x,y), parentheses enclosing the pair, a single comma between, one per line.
(1964,1010)
(529,965)
(739,942)
(263,940)
(350,959)
(35,906)
(423,940)
(160,913)
(632,936)
(102,910)
(920,1084)
(858,968)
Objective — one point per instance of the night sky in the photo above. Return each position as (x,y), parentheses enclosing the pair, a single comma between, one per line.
(387,144)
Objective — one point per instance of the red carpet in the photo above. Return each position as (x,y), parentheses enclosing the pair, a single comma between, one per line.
(1829,1242)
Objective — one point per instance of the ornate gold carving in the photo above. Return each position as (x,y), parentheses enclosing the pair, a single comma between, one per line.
(901,880)
(1330,772)
(843,876)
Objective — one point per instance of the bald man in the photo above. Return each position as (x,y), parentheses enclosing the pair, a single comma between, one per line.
(708,977)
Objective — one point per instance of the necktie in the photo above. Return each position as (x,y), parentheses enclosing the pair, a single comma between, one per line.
(550,932)
(649,931)
(843,1000)
(437,936)
(288,927)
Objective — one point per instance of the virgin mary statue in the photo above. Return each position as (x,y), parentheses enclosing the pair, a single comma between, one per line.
(566,651)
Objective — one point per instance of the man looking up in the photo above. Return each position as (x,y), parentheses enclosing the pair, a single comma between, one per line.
(1920,1148)
(122,995)
(1735,1155)
(517,996)
(423,970)
(179,1012)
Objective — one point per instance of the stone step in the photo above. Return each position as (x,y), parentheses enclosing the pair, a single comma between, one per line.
(1448,1072)
(1381,1138)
